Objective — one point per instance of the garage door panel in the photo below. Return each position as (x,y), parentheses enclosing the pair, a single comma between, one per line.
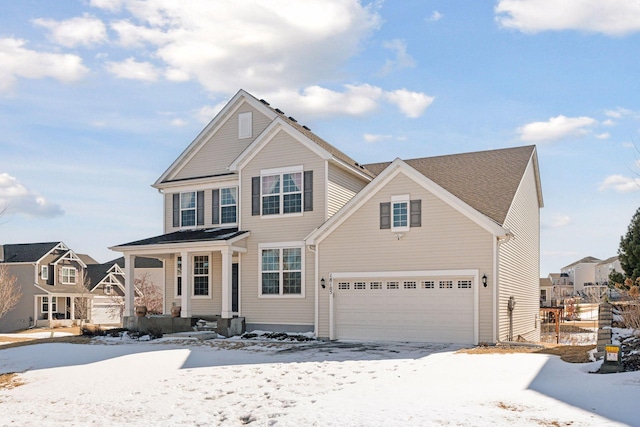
(404,313)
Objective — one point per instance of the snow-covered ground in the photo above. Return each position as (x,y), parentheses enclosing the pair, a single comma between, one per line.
(263,383)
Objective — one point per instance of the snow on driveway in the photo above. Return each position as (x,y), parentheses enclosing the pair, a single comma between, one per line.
(234,383)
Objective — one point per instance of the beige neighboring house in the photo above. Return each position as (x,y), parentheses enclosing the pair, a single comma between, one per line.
(555,289)
(267,222)
(50,276)
(606,267)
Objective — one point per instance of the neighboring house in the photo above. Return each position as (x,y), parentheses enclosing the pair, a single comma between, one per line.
(50,276)
(582,274)
(604,268)
(106,285)
(555,289)
(265,221)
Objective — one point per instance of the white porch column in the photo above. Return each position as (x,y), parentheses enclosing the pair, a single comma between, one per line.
(227,286)
(37,302)
(129,285)
(49,307)
(73,307)
(187,286)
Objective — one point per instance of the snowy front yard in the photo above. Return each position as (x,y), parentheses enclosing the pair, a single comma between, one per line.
(237,382)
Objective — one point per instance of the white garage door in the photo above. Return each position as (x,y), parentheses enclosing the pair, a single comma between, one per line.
(409,308)
(105,313)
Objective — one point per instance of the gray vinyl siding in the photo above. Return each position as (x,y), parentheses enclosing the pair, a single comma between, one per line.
(18,318)
(282,151)
(223,147)
(447,240)
(519,269)
(341,187)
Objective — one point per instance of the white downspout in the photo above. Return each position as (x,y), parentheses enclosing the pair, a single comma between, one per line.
(316,315)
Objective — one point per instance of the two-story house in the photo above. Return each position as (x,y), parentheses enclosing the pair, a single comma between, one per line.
(50,277)
(266,222)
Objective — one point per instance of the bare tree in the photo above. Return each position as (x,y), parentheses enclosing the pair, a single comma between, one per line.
(10,292)
(148,294)
(83,301)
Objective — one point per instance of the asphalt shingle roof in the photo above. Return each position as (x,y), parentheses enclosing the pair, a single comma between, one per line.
(485,180)
(183,236)
(27,252)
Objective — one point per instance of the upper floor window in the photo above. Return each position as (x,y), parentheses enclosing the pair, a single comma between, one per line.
(188,209)
(44,272)
(400,213)
(108,289)
(281,271)
(245,125)
(225,205)
(282,192)
(68,275)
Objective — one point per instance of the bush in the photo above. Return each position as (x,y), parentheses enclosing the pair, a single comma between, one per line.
(155,332)
(92,331)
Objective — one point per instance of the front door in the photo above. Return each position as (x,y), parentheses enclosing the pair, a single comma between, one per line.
(234,287)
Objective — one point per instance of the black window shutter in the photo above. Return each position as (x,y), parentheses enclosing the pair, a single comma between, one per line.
(255,195)
(200,208)
(51,272)
(385,216)
(308,191)
(416,213)
(176,210)
(215,218)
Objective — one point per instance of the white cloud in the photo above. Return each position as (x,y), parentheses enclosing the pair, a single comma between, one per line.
(372,138)
(208,112)
(355,100)
(609,122)
(178,122)
(604,135)
(435,16)
(620,184)
(556,128)
(17,199)
(611,17)
(86,30)
(18,61)
(559,221)
(402,58)
(133,70)
(412,104)
(254,45)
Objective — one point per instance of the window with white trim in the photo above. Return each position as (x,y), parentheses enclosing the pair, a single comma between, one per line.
(45,304)
(108,289)
(245,125)
(393,285)
(281,271)
(428,284)
(188,205)
(400,213)
(228,205)
(201,275)
(281,193)
(445,284)
(68,275)
(44,272)
(464,284)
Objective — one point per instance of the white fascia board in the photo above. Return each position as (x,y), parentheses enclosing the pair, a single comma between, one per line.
(267,135)
(396,167)
(60,245)
(214,125)
(533,163)
(72,257)
(200,184)
(350,168)
(41,288)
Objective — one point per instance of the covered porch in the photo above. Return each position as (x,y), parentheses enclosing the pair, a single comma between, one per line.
(201,276)
(60,309)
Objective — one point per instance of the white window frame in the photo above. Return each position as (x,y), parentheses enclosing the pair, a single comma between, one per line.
(194,209)
(44,272)
(281,172)
(245,125)
(399,200)
(54,304)
(280,246)
(66,275)
(194,275)
(228,205)
(108,289)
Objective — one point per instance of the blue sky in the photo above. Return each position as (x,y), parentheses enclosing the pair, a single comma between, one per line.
(98,97)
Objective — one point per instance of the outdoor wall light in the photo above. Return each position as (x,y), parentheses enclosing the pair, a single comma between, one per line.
(322,283)
(484,280)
